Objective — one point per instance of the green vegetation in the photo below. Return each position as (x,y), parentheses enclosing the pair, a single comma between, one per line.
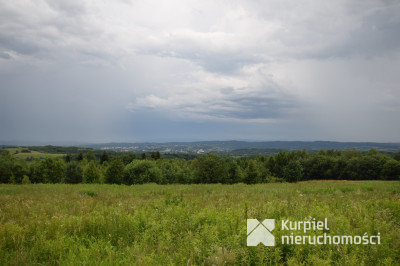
(128,168)
(108,222)
(30,154)
(86,224)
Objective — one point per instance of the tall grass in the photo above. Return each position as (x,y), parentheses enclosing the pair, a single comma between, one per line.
(192,224)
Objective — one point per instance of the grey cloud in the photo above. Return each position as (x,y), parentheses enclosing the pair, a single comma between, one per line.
(374,34)
(5,55)
(17,44)
(377,36)
(52,30)
(251,108)
(250,64)
(379,33)
(261,107)
(242,104)
(225,63)
(70,7)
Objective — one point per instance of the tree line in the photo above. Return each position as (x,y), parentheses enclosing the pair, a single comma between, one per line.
(129,168)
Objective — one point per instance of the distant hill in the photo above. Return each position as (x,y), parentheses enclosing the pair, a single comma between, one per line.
(244,147)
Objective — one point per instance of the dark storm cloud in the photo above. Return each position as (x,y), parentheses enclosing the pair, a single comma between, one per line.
(21,46)
(262,104)
(260,107)
(265,103)
(377,35)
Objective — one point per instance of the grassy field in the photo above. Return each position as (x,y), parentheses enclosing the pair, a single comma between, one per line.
(192,224)
(20,154)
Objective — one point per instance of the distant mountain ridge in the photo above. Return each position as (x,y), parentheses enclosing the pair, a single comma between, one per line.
(234,146)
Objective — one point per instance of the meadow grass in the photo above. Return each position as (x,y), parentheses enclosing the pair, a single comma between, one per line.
(17,153)
(97,224)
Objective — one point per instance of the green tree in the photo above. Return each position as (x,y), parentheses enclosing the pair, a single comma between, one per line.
(7,162)
(79,157)
(293,171)
(236,173)
(91,174)
(365,167)
(104,157)
(128,157)
(280,161)
(90,156)
(73,173)
(391,170)
(19,170)
(156,155)
(351,153)
(170,171)
(339,169)
(372,152)
(185,173)
(397,156)
(115,172)
(142,171)
(254,173)
(49,170)
(301,154)
(319,167)
(270,164)
(11,167)
(211,168)
(175,171)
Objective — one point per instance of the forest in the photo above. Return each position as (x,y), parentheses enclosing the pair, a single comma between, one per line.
(72,165)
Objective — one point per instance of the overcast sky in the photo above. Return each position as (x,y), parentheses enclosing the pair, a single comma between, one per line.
(100,71)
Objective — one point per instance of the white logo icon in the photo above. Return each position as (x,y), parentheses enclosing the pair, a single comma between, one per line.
(260,232)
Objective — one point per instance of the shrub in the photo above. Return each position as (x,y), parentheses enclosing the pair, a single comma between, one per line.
(142,171)
(12,180)
(26,180)
(89,193)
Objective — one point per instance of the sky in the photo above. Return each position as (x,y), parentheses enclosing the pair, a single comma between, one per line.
(91,71)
